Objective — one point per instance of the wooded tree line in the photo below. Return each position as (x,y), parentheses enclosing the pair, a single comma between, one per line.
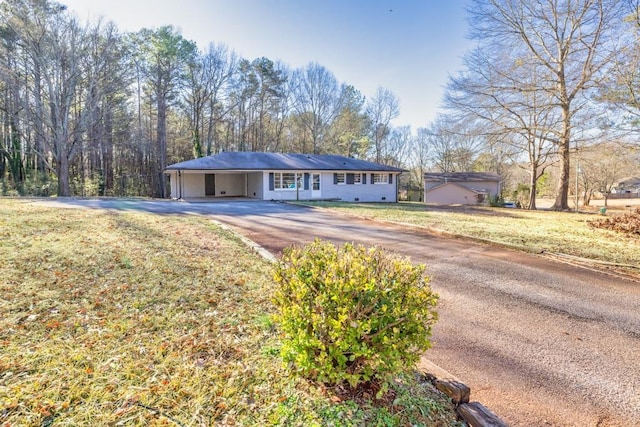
(95,111)
(89,110)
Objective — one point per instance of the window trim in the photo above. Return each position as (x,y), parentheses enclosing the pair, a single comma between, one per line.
(278,181)
(380,178)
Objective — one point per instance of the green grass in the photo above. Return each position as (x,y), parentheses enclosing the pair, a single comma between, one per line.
(139,319)
(549,231)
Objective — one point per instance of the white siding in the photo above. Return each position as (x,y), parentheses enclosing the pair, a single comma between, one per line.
(346,192)
(256,185)
(192,185)
(368,192)
(288,194)
(255,188)
(173,182)
(230,185)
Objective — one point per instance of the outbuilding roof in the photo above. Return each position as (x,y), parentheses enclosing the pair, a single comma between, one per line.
(248,160)
(461,177)
(633,180)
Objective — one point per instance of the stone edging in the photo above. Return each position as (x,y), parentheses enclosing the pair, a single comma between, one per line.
(474,414)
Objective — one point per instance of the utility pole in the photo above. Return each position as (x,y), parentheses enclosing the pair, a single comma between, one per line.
(577,172)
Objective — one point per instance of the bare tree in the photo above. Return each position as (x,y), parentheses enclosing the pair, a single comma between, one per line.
(420,158)
(503,100)
(570,40)
(316,102)
(603,165)
(398,149)
(452,147)
(221,66)
(621,91)
(381,109)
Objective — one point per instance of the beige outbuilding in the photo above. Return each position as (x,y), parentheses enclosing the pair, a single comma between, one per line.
(464,188)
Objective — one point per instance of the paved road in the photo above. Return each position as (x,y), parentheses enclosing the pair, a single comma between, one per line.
(540,343)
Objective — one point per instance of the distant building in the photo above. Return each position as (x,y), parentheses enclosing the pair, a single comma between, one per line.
(464,188)
(627,185)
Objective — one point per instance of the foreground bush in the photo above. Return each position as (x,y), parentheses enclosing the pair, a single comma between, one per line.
(352,313)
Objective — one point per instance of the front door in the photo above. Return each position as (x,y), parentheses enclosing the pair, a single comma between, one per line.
(316,193)
(209,184)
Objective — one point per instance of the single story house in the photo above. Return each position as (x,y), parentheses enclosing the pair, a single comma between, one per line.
(465,188)
(276,176)
(627,185)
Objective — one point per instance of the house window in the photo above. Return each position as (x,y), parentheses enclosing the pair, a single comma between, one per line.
(380,178)
(340,178)
(285,180)
(357,178)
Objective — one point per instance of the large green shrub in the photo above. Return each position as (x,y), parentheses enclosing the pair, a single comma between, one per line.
(352,313)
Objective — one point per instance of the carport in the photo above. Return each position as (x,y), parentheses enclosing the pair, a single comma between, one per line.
(210,184)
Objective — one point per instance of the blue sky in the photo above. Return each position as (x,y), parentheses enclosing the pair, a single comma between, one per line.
(408,47)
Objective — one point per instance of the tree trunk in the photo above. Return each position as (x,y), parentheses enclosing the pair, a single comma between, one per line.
(107,154)
(533,184)
(562,190)
(62,170)
(162,146)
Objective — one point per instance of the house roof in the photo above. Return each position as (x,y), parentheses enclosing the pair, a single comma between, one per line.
(248,160)
(461,177)
(630,180)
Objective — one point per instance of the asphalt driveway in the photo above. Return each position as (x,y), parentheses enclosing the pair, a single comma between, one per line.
(539,342)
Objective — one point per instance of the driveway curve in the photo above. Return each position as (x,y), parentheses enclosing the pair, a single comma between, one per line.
(540,343)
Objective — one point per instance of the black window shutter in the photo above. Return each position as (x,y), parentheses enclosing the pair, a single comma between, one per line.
(335,178)
(390,178)
(271,181)
(364,178)
(372,181)
(306,181)
(349,178)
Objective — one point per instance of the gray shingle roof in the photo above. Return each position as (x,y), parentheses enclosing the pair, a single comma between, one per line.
(247,161)
(461,177)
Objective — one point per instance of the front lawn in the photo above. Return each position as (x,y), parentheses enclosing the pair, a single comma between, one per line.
(140,319)
(548,231)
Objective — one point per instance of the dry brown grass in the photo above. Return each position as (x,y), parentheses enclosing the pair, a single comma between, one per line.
(139,319)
